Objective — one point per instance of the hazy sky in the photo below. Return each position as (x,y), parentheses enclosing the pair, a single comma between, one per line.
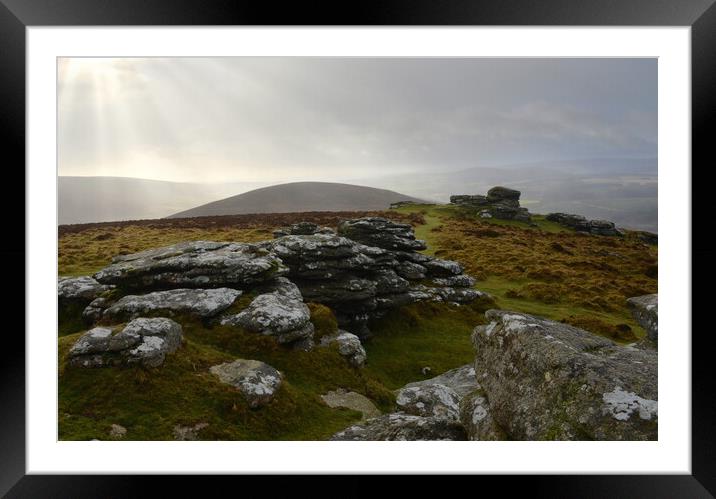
(284,119)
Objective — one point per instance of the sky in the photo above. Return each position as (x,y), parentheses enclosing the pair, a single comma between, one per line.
(279,119)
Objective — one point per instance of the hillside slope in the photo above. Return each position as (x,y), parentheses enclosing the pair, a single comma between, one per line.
(105,199)
(301,196)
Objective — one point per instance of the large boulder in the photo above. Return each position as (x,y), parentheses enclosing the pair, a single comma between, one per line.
(381,232)
(476,417)
(371,266)
(577,222)
(349,346)
(501,203)
(499,193)
(603,228)
(359,281)
(581,224)
(144,341)
(401,426)
(645,310)
(74,294)
(474,410)
(283,316)
(194,264)
(299,249)
(201,303)
(504,211)
(258,382)
(546,380)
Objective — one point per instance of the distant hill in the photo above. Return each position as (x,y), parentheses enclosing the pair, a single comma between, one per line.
(110,199)
(299,197)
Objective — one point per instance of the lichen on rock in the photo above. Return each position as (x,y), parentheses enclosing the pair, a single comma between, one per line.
(257,381)
(143,341)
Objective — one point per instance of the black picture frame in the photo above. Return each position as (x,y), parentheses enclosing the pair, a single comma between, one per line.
(700,15)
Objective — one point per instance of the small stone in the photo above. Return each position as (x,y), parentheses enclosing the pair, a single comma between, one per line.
(349,346)
(283,316)
(117,431)
(184,433)
(258,382)
(351,400)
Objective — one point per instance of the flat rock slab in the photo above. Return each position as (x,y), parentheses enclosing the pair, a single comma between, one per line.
(83,288)
(461,380)
(193,264)
(458,281)
(381,232)
(401,426)
(257,381)
(313,247)
(144,341)
(434,400)
(546,380)
(351,400)
(195,302)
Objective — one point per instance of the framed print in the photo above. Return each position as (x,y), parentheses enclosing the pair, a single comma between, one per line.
(422,240)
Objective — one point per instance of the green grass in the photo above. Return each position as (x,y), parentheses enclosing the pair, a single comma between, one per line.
(545,269)
(422,335)
(432,218)
(500,289)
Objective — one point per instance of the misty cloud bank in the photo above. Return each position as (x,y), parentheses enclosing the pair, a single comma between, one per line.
(273,120)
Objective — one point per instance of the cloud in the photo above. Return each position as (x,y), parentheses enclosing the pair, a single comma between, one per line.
(275,119)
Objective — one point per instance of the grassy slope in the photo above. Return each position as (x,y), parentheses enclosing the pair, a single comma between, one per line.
(545,270)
